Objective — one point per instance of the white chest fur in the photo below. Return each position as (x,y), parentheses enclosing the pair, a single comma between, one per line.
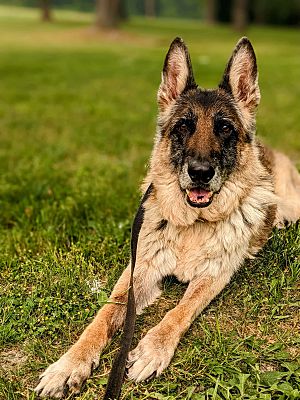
(203,248)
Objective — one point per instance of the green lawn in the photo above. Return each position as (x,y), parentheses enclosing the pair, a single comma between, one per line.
(77,120)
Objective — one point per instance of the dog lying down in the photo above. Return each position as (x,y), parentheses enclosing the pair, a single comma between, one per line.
(215,194)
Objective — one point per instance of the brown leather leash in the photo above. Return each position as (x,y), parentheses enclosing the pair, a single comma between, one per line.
(116,376)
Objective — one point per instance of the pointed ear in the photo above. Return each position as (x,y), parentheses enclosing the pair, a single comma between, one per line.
(177,74)
(241,78)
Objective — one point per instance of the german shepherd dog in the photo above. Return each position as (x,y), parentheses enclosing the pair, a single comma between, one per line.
(216,193)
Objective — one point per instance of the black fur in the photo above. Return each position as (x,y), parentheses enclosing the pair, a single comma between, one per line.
(186,122)
(162,225)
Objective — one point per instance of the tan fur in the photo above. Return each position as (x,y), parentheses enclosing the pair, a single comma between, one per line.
(172,84)
(200,246)
(247,97)
(287,187)
(203,140)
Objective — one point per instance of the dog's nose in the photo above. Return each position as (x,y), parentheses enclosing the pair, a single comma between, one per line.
(201,172)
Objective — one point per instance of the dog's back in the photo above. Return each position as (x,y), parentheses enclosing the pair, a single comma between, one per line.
(287,188)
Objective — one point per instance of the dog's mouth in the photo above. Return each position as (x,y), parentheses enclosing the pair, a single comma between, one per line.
(198,197)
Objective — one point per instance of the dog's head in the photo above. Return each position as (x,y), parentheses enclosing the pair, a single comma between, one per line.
(201,133)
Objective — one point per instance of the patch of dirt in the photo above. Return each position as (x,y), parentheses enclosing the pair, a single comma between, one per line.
(294,351)
(267,367)
(84,36)
(113,35)
(12,359)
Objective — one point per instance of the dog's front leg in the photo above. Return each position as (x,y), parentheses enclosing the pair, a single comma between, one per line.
(155,351)
(76,365)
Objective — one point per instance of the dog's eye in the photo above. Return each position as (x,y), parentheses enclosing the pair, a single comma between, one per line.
(223,128)
(185,126)
(226,128)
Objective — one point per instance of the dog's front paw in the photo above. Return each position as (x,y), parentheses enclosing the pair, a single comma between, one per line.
(65,375)
(152,355)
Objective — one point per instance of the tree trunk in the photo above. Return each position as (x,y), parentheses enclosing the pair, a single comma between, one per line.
(109,13)
(149,8)
(46,10)
(240,15)
(210,12)
(122,10)
(259,11)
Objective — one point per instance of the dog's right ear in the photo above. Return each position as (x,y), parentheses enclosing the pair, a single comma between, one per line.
(177,74)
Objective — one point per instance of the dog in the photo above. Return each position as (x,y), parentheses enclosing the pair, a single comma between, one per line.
(215,194)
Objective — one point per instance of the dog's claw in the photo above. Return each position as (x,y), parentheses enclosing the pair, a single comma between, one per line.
(129,363)
(149,358)
(65,375)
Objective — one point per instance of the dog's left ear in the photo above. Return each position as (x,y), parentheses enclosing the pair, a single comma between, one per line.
(241,78)
(177,74)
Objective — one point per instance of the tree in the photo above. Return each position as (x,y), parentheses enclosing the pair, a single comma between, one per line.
(109,13)
(210,11)
(240,15)
(149,8)
(46,14)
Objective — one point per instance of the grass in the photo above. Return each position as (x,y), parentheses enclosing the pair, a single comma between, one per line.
(77,118)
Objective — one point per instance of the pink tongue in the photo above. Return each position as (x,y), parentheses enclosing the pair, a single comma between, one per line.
(198,195)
